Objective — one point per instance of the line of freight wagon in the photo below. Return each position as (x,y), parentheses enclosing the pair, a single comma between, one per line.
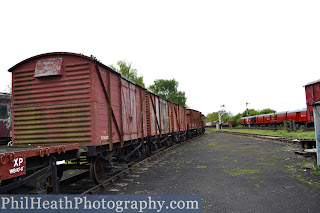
(68,106)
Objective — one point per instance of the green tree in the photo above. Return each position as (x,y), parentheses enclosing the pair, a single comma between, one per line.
(168,89)
(214,116)
(125,69)
(266,111)
(211,117)
(236,118)
(251,112)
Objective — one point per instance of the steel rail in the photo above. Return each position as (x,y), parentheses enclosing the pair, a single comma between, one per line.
(130,170)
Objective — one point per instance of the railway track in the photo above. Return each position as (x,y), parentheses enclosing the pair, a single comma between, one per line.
(274,138)
(81,183)
(273,128)
(304,143)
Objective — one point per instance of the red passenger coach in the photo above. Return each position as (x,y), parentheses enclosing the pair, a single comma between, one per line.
(299,116)
(243,121)
(280,117)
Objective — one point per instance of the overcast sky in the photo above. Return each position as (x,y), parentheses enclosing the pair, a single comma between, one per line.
(220,51)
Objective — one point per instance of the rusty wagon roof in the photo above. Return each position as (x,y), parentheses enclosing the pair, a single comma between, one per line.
(313,82)
(81,56)
(61,53)
(72,54)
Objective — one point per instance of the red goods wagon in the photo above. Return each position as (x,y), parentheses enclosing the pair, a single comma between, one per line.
(71,98)
(5,118)
(203,122)
(18,166)
(191,124)
(194,119)
(229,123)
(194,122)
(183,118)
(164,116)
(133,116)
(178,120)
(157,115)
(63,98)
(312,94)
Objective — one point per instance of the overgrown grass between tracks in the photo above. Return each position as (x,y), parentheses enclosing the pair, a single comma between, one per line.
(298,134)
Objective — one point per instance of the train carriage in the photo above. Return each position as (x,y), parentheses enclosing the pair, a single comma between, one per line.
(195,122)
(280,117)
(68,98)
(177,121)
(299,116)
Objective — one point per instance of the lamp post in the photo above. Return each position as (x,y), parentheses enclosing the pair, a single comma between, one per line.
(247,114)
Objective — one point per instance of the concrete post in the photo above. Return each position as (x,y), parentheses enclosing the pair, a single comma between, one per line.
(285,125)
(316,114)
(294,128)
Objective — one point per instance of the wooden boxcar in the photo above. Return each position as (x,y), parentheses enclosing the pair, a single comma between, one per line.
(195,123)
(72,98)
(65,98)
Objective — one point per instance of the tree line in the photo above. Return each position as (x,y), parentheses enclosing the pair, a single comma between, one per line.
(214,116)
(167,89)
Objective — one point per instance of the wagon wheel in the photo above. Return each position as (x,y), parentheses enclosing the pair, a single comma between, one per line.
(99,169)
(151,148)
(170,142)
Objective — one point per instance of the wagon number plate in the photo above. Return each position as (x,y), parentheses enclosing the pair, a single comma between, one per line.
(13,169)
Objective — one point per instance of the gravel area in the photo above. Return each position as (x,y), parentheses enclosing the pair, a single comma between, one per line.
(233,174)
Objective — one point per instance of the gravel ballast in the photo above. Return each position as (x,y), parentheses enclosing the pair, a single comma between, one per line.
(233,174)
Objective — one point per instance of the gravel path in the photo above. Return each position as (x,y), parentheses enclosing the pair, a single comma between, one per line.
(234,174)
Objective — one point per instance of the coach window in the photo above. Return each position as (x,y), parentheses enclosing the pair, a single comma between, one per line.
(3,112)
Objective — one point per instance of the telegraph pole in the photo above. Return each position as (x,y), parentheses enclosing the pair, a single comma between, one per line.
(220,113)
(247,114)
